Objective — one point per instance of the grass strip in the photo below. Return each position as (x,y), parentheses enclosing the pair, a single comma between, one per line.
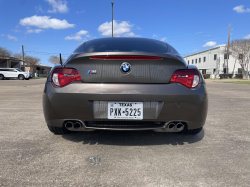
(237,82)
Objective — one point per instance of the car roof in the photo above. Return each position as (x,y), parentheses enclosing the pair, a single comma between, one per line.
(122,44)
(125,39)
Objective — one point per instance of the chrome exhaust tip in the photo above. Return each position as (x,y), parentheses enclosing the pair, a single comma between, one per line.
(69,125)
(77,125)
(171,126)
(179,126)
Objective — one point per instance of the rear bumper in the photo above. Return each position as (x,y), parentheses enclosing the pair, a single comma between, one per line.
(76,102)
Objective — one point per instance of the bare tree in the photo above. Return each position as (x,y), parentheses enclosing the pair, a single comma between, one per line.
(234,66)
(55,60)
(4,53)
(31,62)
(18,55)
(240,50)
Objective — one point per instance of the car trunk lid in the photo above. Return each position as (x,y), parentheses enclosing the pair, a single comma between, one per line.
(94,70)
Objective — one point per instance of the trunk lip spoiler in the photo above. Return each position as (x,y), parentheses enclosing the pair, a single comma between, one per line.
(124,57)
(162,55)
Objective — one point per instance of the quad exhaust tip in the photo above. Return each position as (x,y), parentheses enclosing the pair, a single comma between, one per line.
(77,125)
(71,125)
(179,126)
(175,126)
(171,126)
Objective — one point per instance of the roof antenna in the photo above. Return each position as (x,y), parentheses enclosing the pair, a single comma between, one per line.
(61,59)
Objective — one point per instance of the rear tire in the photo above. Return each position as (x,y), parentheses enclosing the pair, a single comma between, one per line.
(190,132)
(58,130)
(1,77)
(21,77)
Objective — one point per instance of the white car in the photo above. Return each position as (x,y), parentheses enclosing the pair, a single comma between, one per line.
(7,73)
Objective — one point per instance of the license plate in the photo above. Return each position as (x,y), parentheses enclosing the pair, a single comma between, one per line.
(125,110)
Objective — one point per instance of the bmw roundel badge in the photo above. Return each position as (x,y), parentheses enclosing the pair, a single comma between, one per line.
(125,67)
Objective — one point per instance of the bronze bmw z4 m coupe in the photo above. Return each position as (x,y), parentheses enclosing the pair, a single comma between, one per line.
(125,84)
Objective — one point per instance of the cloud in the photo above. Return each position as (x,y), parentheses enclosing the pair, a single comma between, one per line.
(45,22)
(58,6)
(39,8)
(16,30)
(78,36)
(120,29)
(34,30)
(209,44)
(240,9)
(2,34)
(155,35)
(78,12)
(163,39)
(12,37)
(247,37)
(198,32)
(131,34)
(195,50)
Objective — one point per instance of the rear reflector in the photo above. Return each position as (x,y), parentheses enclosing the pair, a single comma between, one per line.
(189,78)
(116,57)
(64,76)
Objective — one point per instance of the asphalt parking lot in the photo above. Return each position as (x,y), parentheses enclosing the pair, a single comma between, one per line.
(32,156)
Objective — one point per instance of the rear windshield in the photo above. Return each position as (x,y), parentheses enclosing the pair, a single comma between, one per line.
(123,45)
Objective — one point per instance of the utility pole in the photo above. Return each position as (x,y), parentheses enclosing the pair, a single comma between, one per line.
(228,45)
(112,18)
(23,59)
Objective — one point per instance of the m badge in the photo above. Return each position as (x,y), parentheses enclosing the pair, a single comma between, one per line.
(91,72)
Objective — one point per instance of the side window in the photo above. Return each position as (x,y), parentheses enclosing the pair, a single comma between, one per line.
(204,59)
(196,61)
(192,61)
(225,56)
(239,70)
(215,56)
(188,62)
(199,60)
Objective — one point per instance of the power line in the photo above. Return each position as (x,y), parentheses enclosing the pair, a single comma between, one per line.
(44,53)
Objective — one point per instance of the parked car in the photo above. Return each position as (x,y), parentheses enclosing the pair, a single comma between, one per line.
(125,84)
(7,73)
(30,75)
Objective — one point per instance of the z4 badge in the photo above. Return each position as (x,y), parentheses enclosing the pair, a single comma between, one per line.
(91,72)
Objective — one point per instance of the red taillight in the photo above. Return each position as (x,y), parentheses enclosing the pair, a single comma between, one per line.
(189,78)
(119,57)
(64,76)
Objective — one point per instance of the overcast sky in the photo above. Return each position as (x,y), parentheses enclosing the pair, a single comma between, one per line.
(50,27)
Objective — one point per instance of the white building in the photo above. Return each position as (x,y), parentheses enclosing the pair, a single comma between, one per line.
(213,61)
